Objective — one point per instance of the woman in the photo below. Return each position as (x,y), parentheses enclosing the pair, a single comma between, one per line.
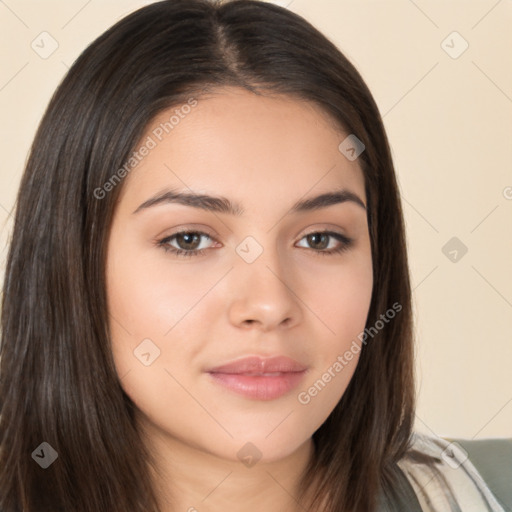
(207,303)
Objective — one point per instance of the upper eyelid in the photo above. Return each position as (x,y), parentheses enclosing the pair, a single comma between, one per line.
(203,228)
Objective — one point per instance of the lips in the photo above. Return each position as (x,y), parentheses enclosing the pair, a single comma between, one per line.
(260,366)
(259,378)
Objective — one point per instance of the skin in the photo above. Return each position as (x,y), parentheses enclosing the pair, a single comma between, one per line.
(265,153)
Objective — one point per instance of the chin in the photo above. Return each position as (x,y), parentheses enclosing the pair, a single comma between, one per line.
(260,447)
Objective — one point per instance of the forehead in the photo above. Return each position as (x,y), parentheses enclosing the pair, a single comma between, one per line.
(242,145)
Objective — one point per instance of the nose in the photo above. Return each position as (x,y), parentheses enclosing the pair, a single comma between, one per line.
(263,296)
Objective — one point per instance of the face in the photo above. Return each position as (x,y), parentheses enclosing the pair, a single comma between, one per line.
(196,286)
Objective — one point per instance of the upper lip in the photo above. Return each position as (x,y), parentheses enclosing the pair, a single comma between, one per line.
(259,365)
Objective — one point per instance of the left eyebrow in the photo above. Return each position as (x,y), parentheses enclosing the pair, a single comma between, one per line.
(223,205)
(327,199)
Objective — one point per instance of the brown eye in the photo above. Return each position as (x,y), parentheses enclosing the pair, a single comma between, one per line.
(318,240)
(188,241)
(185,243)
(321,240)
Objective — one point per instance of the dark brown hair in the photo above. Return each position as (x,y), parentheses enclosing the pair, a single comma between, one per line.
(58,381)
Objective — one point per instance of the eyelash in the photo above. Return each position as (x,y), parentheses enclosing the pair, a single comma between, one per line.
(346,243)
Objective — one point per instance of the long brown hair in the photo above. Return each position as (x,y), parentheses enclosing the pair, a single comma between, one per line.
(58,381)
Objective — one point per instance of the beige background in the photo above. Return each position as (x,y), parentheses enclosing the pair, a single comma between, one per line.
(449,121)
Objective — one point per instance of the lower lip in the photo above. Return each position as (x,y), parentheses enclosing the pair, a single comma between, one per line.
(260,387)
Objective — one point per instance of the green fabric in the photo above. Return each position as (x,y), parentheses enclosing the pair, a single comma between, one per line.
(493,460)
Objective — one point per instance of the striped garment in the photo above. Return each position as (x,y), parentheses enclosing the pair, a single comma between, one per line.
(453,484)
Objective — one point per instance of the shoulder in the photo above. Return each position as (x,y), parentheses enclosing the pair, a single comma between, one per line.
(468,475)
(492,458)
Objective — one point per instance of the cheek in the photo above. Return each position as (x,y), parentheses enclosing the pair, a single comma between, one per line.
(152,337)
(158,313)
(148,295)
(341,298)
